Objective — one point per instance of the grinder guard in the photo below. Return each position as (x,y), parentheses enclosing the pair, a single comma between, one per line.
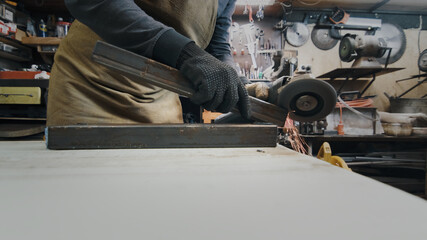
(307,99)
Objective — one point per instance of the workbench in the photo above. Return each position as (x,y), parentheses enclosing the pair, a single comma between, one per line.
(315,141)
(232,193)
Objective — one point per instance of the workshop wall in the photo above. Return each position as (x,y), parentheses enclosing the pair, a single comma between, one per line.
(324,61)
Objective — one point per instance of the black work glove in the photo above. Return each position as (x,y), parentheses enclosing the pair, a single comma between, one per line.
(218,87)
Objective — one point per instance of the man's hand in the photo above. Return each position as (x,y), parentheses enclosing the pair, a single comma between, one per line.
(258,90)
(218,87)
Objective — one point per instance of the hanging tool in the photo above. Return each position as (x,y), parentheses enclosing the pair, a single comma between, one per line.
(250,43)
(260,12)
(322,39)
(339,15)
(342,21)
(297,34)
(307,99)
(251,20)
(245,11)
(395,38)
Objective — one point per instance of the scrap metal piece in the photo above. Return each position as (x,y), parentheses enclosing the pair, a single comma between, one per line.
(160,136)
(145,70)
(297,35)
(322,39)
(395,38)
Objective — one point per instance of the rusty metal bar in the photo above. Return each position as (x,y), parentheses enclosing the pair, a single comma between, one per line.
(146,70)
(161,136)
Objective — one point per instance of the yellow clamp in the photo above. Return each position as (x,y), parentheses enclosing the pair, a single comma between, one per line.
(325,154)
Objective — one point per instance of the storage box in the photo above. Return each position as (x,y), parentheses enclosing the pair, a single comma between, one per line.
(20,95)
(7,12)
(4,29)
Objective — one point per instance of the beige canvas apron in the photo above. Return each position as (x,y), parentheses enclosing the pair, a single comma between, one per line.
(84,92)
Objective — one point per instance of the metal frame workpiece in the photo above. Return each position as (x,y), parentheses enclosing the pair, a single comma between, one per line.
(161,136)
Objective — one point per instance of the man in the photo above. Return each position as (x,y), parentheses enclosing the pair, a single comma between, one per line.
(172,32)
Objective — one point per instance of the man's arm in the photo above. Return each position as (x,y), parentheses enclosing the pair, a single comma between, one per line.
(124,24)
(219,45)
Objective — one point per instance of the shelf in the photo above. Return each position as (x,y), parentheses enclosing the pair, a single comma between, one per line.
(42,83)
(36,41)
(355,73)
(40,43)
(13,57)
(16,44)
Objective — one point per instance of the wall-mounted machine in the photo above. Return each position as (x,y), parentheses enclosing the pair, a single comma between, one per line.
(363,49)
(395,38)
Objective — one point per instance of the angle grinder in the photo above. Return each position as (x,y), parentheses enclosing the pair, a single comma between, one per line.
(306,98)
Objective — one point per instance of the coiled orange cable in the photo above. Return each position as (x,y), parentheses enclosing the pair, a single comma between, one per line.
(357,103)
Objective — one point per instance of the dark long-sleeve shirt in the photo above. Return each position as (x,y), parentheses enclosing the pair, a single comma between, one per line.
(219,45)
(124,24)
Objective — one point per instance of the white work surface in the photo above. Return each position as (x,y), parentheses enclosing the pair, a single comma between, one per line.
(195,194)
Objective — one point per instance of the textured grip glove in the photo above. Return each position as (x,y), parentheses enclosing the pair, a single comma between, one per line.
(217,85)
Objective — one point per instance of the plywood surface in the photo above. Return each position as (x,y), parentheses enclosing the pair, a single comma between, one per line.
(251,193)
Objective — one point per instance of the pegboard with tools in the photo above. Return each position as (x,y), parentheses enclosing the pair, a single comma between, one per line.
(253,45)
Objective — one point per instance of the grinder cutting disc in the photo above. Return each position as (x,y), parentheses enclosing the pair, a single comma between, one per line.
(395,38)
(308,100)
(322,39)
(297,34)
